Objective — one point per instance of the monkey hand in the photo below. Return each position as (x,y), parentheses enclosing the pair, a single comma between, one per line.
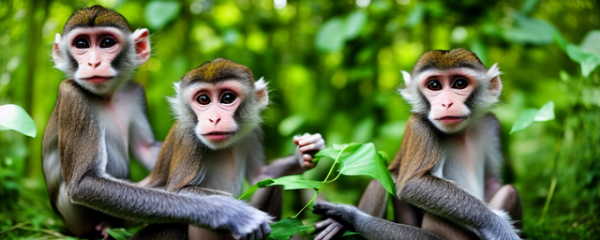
(308,146)
(241,219)
(340,218)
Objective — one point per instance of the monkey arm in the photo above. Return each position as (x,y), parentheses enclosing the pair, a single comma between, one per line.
(368,226)
(448,201)
(144,147)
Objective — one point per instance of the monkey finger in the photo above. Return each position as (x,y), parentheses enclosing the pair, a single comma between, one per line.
(323,223)
(309,148)
(310,139)
(266,229)
(308,165)
(252,235)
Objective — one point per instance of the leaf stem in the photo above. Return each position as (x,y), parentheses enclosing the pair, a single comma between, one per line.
(325,182)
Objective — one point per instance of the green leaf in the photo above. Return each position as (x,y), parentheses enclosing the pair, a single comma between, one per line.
(15,118)
(586,55)
(290,124)
(294,182)
(528,116)
(589,64)
(291,182)
(530,31)
(545,113)
(524,120)
(355,23)
(363,159)
(416,15)
(285,228)
(331,35)
(119,233)
(590,43)
(159,13)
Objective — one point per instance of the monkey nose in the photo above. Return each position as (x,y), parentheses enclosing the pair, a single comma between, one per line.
(215,121)
(447,105)
(94,65)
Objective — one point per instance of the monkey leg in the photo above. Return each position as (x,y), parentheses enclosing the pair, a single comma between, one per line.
(407,213)
(83,221)
(162,231)
(507,198)
(269,200)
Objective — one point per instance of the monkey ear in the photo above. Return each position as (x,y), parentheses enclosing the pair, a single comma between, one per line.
(141,39)
(56,54)
(495,85)
(406,76)
(262,94)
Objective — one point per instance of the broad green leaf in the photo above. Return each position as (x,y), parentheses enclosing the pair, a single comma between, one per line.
(285,228)
(590,43)
(331,35)
(528,116)
(355,23)
(363,159)
(291,182)
(524,120)
(294,182)
(328,152)
(159,13)
(545,113)
(290,124)
(530,31)
(15,118)
(119,233)
(416,15)
(589,64)
(588,61)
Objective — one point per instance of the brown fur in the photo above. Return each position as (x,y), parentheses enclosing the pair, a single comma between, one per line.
(444,59)
(96,16)
(218,70)
(419,152)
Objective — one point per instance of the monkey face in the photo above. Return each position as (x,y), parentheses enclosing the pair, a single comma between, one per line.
(101,59)
(447,93)
(215,106)
(94,51)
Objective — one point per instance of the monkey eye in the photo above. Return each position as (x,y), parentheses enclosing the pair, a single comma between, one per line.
(228,98)
(107,42)
(460,83)
(203,99)
(434,85)
(81,43)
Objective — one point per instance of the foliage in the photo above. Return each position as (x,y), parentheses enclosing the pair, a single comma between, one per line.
(15,118)
(353,159)
(333,67)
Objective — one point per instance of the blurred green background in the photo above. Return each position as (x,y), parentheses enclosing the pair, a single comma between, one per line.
(333,67)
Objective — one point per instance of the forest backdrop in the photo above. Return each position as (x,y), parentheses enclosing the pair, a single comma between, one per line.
(334,67)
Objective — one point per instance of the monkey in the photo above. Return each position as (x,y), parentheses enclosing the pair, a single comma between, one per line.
(98,114)
(448,163)
(216,142)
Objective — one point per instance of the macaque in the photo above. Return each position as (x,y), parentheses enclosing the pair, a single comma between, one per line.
(216,143)
(98,114)
(448,164)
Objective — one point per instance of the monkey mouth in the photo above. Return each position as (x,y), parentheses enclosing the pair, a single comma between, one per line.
(97,79)
(218,136)
(452,119)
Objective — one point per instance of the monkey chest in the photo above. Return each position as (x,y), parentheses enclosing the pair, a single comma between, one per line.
(464,164)
(115,119)
(223,170)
